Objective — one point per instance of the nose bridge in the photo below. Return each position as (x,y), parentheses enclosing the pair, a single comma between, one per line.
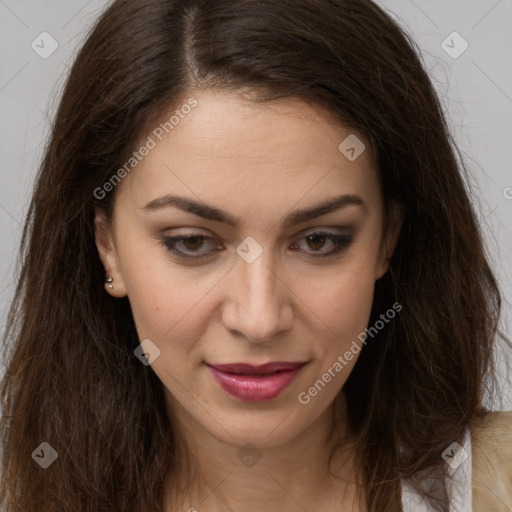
(259,305)
(260,281)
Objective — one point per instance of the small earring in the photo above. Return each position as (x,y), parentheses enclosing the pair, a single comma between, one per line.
(109,280)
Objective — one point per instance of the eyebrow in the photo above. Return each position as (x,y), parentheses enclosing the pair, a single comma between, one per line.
(215,214)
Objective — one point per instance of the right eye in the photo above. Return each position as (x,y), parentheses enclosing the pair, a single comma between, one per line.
(179,245)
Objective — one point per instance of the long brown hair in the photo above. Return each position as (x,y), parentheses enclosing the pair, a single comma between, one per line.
(72,379)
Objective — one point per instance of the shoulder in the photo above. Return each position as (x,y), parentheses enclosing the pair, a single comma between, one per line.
(491,444)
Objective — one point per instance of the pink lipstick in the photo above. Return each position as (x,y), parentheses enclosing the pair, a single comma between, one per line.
(255,383)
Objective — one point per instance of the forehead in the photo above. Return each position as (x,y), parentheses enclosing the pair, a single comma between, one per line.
(227,150)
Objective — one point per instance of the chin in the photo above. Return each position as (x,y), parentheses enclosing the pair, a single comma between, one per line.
(264,428)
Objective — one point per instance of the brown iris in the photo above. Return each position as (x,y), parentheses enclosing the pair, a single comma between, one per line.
(189,242)
(321,238)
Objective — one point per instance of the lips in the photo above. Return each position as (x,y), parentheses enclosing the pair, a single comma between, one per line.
(255,383)
(256,370)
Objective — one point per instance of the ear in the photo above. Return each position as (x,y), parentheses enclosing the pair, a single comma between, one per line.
(104,239)
(390,239)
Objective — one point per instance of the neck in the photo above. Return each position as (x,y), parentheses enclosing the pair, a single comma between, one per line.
(298,473)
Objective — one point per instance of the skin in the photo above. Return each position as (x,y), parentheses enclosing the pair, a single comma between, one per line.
(258,163)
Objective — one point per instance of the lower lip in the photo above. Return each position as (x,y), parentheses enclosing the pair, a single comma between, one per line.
(255,388)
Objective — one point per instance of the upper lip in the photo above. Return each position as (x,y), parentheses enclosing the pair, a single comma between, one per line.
(257,369)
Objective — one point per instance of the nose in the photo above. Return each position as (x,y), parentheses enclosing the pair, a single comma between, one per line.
(259,303)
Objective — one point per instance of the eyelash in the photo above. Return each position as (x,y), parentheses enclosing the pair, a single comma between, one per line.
(341,242)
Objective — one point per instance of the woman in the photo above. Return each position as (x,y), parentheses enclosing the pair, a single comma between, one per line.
(252,276)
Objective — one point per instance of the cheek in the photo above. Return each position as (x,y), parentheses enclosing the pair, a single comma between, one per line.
(167,301)
(342,301)
(344,305)
(170,310)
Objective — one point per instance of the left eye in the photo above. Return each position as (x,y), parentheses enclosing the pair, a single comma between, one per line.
(318,240)
(193,243)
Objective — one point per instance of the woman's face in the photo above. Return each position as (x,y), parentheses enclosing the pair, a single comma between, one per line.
(271,273)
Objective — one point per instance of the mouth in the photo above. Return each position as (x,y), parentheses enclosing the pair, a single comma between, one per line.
(250,383)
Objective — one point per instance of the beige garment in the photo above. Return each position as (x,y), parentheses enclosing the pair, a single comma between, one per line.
(492,462)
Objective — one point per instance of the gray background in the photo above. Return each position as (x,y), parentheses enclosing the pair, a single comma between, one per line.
(475,87)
